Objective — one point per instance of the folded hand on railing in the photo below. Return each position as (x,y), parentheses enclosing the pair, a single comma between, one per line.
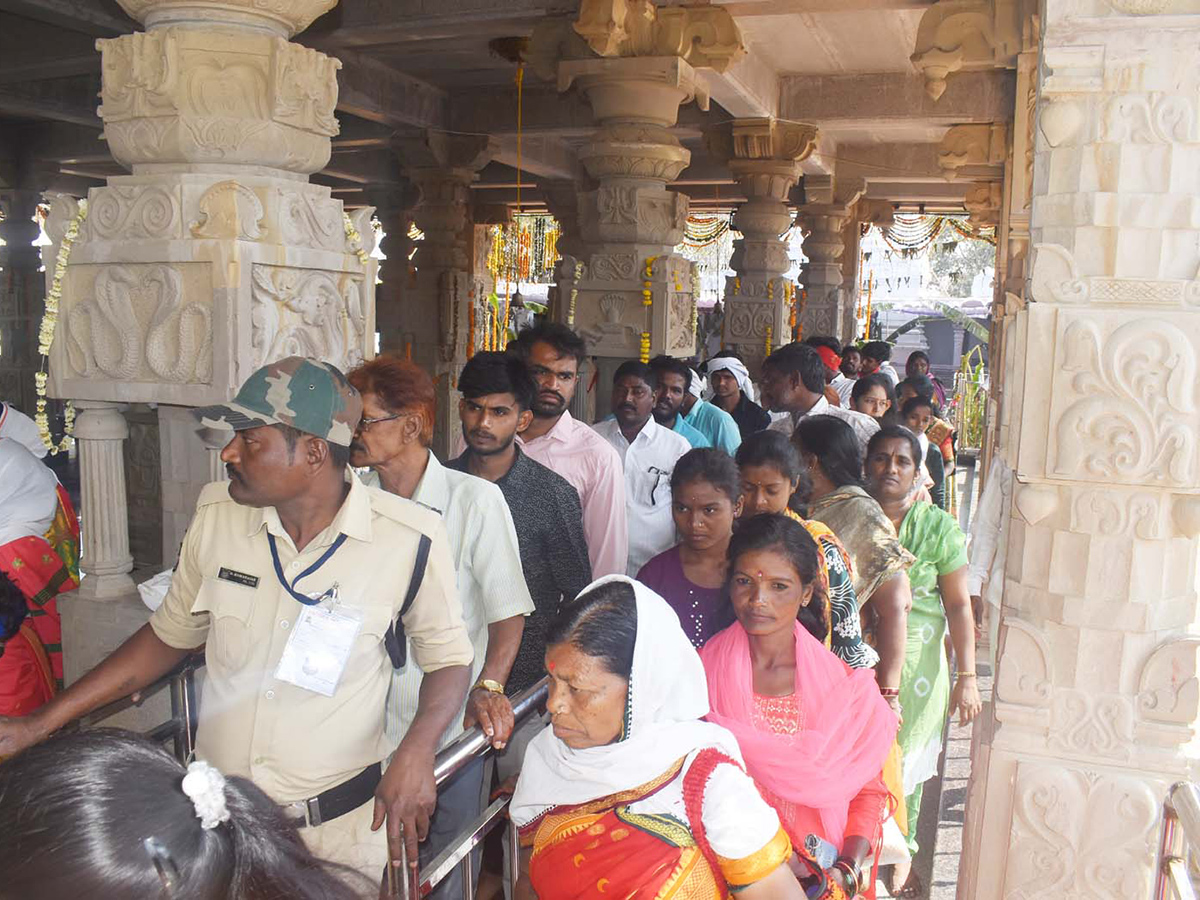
(493,713)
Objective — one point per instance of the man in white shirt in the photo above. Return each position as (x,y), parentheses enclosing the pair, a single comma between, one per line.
(793,382)
(393,439)
(648,453)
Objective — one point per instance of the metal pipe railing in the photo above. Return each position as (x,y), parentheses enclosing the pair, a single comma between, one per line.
(1180,835)
(180,729)
(452,759)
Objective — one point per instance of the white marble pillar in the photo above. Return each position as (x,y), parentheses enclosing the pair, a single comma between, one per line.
(1096,699)
(764,157)
(636,64)
(100,433)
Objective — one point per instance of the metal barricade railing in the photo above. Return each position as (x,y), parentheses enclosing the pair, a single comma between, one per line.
(180,729)
(1178,842)
(471,745)
(456,756)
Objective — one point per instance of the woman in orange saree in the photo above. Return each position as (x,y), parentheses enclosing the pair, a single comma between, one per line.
(629,794)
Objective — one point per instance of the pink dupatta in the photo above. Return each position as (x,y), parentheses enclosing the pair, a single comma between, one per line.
(849,727)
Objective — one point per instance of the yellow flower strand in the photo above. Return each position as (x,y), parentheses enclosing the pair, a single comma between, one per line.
(355,238)
(46,331)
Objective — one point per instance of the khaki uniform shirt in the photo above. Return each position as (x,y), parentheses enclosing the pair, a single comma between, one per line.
(292,742)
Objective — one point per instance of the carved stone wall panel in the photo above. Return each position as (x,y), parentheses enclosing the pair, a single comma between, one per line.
(1080,833)
(305,312)
(139,322)
(1124,399)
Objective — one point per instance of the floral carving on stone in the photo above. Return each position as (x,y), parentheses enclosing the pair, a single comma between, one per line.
(304,90)
(133,212)
(311,221)
(1023,675)
(1132,409)
(229,210)
(1168,688)
(306,312)
(139,73)
(1080,834)
(1154,118)
(614,266)
(1092,725)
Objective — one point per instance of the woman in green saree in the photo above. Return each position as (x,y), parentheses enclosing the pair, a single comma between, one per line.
(939,600)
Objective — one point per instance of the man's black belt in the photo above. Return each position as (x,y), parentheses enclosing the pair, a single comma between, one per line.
(337,801)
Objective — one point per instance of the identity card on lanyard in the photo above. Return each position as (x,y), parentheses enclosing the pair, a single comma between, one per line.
(319,648)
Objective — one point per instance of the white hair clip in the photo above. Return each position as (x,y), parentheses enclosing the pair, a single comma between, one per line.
(206,788)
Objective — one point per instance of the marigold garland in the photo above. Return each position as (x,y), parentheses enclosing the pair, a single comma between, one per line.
(355,239)
(46,331)
(768,353)
(574,295)
(648,302)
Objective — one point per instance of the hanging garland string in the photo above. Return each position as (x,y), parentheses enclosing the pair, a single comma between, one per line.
(700,231)
(46,338)
(911,235)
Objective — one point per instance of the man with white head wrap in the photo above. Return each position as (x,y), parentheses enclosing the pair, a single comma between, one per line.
(732,391)
(711,421)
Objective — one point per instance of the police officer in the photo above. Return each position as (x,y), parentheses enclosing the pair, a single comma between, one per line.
(293,576)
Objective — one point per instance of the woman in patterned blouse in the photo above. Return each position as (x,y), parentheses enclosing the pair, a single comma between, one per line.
(772,476)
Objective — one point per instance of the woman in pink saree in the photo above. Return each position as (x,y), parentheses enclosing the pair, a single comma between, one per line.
(814,733)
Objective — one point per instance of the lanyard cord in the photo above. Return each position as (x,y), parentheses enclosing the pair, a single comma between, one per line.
(291,588)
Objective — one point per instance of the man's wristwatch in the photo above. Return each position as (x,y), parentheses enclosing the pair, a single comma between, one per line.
(487,684)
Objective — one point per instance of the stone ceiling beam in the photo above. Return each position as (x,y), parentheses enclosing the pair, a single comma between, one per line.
(541,156)
(985,96)
(373,90)
(749,88)
(87,16)
(745,9)
(51,67)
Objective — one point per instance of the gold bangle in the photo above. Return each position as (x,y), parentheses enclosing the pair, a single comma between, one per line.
(966,675)
(487,684)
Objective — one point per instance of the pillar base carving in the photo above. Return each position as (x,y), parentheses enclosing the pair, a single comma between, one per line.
(105,561)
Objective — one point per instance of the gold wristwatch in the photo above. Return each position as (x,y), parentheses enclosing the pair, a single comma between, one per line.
(487,684)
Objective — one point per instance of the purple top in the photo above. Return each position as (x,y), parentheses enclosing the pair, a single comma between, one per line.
(702,611)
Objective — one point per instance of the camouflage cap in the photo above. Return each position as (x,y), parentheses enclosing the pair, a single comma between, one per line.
(307,394)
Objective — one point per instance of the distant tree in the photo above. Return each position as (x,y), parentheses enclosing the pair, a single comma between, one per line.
(956,263)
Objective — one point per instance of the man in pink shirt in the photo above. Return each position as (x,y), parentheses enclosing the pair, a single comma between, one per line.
(553,353)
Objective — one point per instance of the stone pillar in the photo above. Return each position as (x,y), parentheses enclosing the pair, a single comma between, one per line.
(437,324)
(216,254)
(764,157)
(100,433)
(630,223)
(1096,702)
(21,294)
(825,304)
(394,209)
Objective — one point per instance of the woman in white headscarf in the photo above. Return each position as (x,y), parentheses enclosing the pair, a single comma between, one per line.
(732,391)
(630,793)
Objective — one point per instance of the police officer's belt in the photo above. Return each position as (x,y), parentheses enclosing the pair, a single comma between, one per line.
(337,801)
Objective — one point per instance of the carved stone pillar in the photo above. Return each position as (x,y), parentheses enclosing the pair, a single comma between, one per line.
(215,254)
(824,307)
(394,209)
(436,324)
(21,294)
(100,433)
(630,223)
(1096,704)
(764,157)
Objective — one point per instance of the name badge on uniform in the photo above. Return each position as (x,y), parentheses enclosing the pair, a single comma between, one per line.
(236,577)
(319,648)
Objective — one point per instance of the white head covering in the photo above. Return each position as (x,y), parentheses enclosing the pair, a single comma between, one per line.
(737,368)
(697,385)
(28,493)
(18,426)
(668,695)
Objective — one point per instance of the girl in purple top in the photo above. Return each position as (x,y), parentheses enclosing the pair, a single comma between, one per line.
(706,496)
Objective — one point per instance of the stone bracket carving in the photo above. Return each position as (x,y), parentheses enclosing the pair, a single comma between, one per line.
(231,211)
(707,37)
(972,145)
(965,35)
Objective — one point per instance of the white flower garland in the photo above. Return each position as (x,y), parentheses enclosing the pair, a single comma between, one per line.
(46,338)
